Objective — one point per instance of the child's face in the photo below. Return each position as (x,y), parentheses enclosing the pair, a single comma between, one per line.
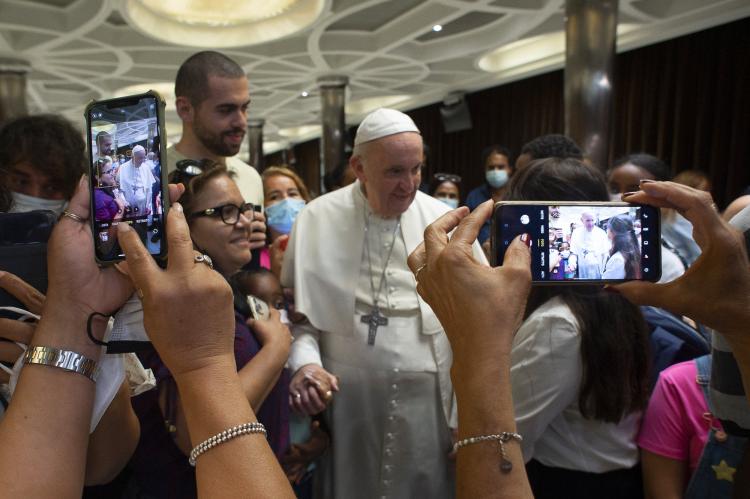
(266,287)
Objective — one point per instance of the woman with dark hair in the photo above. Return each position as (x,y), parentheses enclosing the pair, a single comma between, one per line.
(447,188)
(625,256)
(578,366)
(677,233)
(219,221)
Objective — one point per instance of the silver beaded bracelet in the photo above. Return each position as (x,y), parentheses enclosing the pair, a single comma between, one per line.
(501,439)
(222,437)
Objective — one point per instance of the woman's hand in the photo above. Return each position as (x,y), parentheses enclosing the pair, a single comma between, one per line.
(480,307)
(272,332)
(32,298)
(188,311)
(715,290)
(17,331)
(120,209)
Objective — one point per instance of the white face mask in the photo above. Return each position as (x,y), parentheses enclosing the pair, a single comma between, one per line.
(23,203)
(565,253)
(615,196)
(496,178)
(452,202)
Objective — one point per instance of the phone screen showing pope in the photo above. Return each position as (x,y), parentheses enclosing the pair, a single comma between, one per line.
(584,242)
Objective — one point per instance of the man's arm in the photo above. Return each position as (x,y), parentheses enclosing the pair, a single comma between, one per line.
(311,388)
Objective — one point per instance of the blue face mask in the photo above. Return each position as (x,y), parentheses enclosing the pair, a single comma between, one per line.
(452,202)
(281,215)
(496,178)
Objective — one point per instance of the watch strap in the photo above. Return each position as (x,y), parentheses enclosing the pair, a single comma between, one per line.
(62,359)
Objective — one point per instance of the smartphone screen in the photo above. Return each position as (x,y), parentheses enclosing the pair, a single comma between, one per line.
(127,182)
(582,242)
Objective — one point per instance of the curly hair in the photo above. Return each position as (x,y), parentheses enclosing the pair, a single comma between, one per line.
(552,146)
(50,144)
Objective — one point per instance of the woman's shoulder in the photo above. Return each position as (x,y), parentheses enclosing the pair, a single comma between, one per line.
(553,316)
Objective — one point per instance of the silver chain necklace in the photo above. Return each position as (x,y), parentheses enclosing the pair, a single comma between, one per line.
(374,319)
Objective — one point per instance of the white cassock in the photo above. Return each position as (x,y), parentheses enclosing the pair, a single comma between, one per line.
(390,421)
(592,249)
(135,185)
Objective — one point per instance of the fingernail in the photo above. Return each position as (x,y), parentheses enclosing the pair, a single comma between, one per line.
(647,180)
(610,289)
(124,227)
(84,179)
(626,194)
(526,240)
(178,207)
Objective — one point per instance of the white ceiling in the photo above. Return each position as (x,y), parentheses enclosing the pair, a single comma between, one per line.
(80,50)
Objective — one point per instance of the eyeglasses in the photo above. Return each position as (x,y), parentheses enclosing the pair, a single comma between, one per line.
(447,177)
(187,169)
(229,213)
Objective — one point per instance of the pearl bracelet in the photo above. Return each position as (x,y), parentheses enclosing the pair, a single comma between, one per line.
(222,437)
(501,439)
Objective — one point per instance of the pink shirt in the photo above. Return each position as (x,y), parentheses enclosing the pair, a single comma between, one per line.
(674,425)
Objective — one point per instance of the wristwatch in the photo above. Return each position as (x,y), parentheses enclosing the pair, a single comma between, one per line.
(63,359)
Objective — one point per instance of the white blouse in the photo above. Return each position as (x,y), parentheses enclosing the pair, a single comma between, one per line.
(546,371)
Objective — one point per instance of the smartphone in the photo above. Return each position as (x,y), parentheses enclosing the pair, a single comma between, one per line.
(128,174)
(582,242)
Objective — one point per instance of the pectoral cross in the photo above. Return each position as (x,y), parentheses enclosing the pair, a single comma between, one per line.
(374,320)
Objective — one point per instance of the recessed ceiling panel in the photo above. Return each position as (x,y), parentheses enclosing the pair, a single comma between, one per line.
(372,18)
(467,22)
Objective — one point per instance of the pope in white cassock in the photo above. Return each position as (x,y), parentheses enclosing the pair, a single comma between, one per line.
(369,334)
(136,180)
(591,244)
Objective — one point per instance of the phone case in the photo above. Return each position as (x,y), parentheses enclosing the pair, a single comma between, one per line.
(161,257)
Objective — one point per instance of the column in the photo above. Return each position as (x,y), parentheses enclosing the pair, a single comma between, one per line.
(255,143)
(590,38)
(332,101)
(13,89)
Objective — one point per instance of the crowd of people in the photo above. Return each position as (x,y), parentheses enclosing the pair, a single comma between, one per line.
(389,359)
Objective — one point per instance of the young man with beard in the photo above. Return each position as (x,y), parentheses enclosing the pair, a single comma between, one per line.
(212,96)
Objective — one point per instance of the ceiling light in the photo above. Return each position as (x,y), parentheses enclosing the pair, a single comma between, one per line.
(524,53)
(220,23)
(218,12)
(437,28)
(364,106)
(304,93)
(297,132)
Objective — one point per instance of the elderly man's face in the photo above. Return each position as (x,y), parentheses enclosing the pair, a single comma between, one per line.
(588,221)
(390,170)
(138,157)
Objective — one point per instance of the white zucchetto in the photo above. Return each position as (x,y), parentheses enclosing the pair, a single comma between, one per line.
(381,123)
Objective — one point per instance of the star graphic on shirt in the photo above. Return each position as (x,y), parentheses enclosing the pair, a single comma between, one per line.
(724,471)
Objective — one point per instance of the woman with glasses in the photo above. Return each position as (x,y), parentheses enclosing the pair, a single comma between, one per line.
(446,188)
(219,221)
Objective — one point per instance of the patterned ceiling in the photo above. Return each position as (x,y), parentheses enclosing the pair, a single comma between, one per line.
(89,49)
